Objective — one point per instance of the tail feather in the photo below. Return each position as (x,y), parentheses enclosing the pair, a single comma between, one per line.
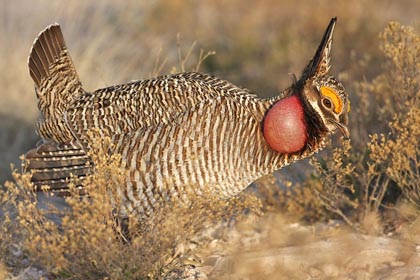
(48,52)
(54,165)
(58,173)
(56,83)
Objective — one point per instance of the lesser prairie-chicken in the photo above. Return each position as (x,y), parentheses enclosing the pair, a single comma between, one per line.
(181,132)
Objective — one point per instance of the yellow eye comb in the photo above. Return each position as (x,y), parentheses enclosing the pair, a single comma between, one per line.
(336,100)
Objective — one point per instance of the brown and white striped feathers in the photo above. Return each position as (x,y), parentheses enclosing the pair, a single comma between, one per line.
(180,132)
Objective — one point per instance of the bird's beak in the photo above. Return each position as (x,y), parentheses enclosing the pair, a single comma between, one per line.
(343,128)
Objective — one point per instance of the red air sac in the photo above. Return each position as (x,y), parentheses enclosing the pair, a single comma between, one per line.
(285,126)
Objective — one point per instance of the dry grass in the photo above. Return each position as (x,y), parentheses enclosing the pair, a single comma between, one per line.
(370,183)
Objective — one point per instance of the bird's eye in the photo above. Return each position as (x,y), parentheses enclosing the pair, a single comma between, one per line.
(327,103)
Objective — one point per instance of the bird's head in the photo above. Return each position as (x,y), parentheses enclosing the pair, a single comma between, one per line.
(327,100)
(317,105)
(323,94)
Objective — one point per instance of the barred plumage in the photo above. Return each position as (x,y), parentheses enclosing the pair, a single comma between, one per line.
(187,131)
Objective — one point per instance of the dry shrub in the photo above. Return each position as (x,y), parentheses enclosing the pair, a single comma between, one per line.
(400,156)
(337,192)
(296,198)
(361,179)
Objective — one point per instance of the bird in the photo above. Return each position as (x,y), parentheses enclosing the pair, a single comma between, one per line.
(181,132)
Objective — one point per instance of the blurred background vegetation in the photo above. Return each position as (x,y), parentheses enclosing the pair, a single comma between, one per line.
(257,43)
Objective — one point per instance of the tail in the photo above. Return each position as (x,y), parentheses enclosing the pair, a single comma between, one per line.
(54,165)
(56,83)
